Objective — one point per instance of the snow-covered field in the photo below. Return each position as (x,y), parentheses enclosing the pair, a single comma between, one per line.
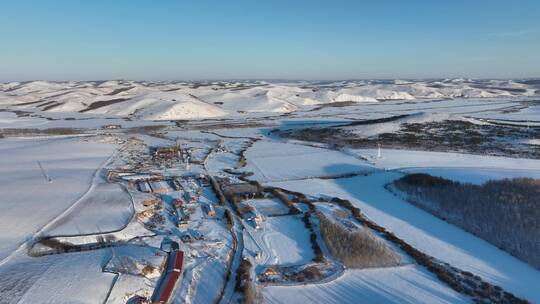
(29,200)
(69,278)
(271,161)
(405,284)
(105,208)
(405,159)
(268,207)
(282,240)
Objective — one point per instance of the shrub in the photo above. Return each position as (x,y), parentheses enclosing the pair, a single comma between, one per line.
(285,199)
(229,219)
(243,281)
(148,269)
(242,274)
(217,190)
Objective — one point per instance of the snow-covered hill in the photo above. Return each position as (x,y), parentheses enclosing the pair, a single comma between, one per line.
(199,100)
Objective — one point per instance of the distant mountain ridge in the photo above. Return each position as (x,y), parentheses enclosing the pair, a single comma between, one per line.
(169,100)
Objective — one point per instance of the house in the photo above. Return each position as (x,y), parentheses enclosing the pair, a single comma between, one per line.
(112,176)
(165,152)
(270,272)
(166,245)
(138,300)
(143,186)
(178,203)
(204,181)
(111,127)
(243,189)
(175,184)
(251,215)
(210,210)
(186,238)
(149,202)
(258,221)
(190,197)
(159,186)
(135,141)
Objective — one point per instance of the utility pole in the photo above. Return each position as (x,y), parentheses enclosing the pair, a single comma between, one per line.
(47,177)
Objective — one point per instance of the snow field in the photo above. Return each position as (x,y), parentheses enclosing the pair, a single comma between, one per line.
(66,278)
(268,207)
(106,208)
(29,201)
(404,159)
(406,284)
(273,161)
(282,240)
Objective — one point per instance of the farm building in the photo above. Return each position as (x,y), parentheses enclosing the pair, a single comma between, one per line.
(173,270)
(111,127)
(138,300)
(190,197)
(258,221)
(243,189)
(178,203)
(254,217)
(112,176)
(204,181)
(118,174)
(175,184)
(166,244)
(210,210)
(143,186)
(150,202)
(159,186)
(165,152)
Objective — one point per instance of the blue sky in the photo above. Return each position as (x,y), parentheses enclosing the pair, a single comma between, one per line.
(159,40)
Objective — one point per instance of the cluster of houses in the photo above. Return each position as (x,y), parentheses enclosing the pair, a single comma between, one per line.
(158,185)
(190,194)
(253,216)
(172,152)
(190,197)
(246,191)
(111,127)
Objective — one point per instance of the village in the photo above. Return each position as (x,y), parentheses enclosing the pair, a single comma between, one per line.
(194,218)
(174,217)
(170,206)
(191,214)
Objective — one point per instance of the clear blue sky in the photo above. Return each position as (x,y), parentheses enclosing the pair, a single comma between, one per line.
(91,39)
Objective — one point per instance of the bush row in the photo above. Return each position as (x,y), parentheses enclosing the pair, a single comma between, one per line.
(357,248)
(285,199)
(317,251)
(243,281)
(217,190)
